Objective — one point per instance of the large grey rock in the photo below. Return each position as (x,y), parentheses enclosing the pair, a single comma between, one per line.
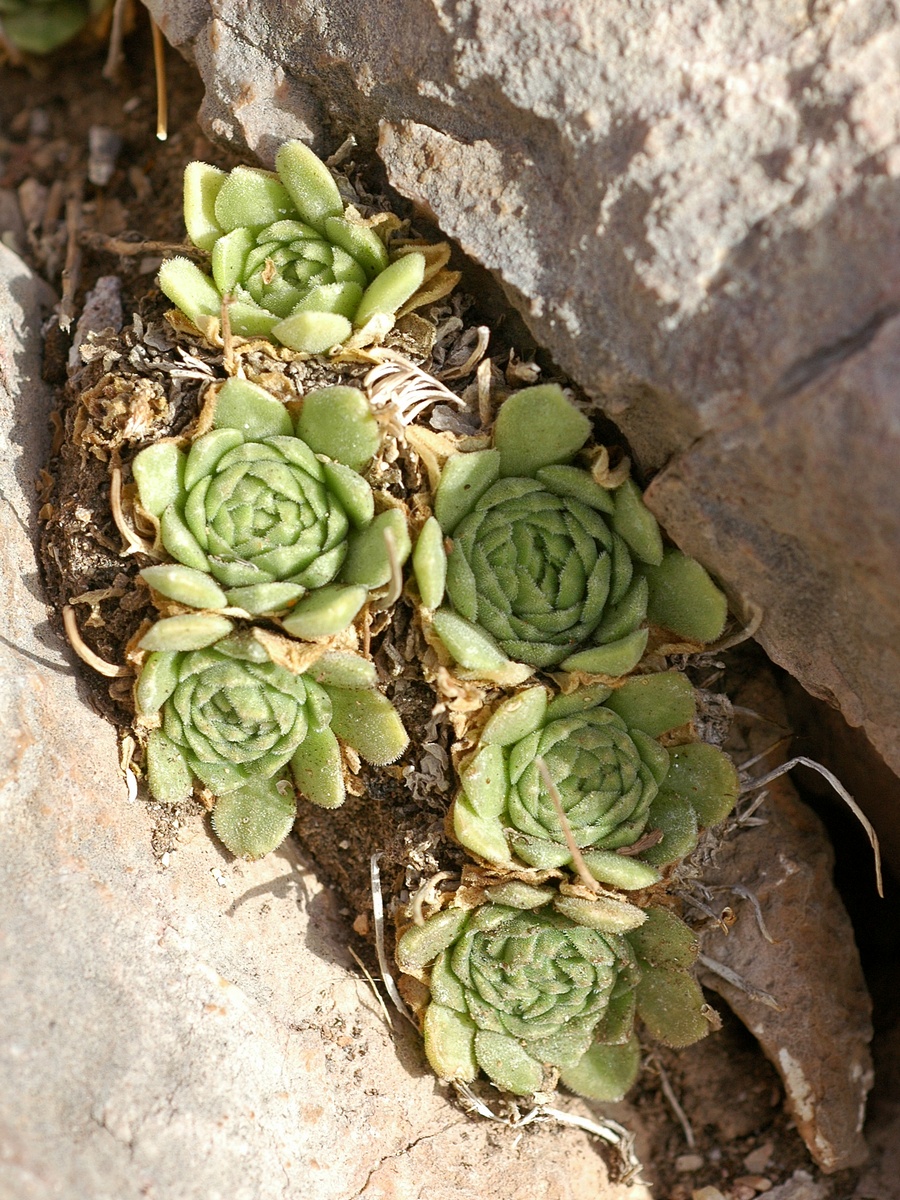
(694,205)
(193,1030)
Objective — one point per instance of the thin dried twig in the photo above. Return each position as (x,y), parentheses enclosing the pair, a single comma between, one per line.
(134,543)
(395,584)
(84,652)
(801,761)
(425,893)
(383,965)
(577,861)
(71,272)
(115,58)
(669,1093)
(159,65)
(744,892)
(751,762)
(741,635)
(740,983)
(94,240)
(466,368)
(374,986)
(609,1131)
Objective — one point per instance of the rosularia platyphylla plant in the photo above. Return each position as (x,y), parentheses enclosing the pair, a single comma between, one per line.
(534,982)
(264,513)
(548,567)
(41,26)
(617,785)
(220,710)
(300,268)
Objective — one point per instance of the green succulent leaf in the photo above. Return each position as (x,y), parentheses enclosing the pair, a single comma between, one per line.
(605,1073)
(655,703)
(311,185)
(664,941)
(450,1043)
(420,944)
(538,427)
(202,184)
(193,631)
(185,585)
(368,722)
(251,411)
(464,480)
(317,770)
(671,1004)
(157,681)
(684,599)
(619,871)
(706,778)
(636,524)
(159,474)
(312,332)
(391,288)
(429,562)
(368,561)
(339,422)
(507,1063)
(190,289)
(168,775)
(676,819)
(603,913)
(254,819)
(325,611)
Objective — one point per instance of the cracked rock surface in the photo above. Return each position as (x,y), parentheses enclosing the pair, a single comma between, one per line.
(196,1030)
(695,207)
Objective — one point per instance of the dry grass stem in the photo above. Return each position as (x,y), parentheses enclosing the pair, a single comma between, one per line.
(84,652)
(115,57)
(374,986)
(737,981)
(383,965)
(577,861)
(802,761)
(159,66)
(134,544)
(669,1093)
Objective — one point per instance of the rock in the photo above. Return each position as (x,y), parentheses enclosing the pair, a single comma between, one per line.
(694,207)
(788,967)
(800,1186)
(187,1025)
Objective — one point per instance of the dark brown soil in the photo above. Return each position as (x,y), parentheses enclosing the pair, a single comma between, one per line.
(730,1094)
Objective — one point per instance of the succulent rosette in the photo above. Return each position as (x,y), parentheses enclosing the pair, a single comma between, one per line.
(221,710)
(533,981)
(41,26)
(614,781)
(297,266)
(547,567)
(264,514)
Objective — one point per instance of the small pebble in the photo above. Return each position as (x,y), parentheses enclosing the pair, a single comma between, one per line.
(759,1183)
(707,1193)
(742,1192)
(757,1160)
(688,1162)
(38,123)
(104,145)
